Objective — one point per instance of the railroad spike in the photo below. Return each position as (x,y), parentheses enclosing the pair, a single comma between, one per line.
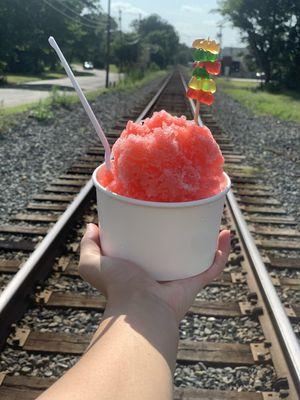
(260,353)
(281,384)
(20,336)
(247,308)
(43,297)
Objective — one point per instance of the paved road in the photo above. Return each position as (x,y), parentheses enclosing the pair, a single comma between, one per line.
(31,92)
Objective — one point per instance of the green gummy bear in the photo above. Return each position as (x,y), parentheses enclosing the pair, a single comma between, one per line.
(201,73)
(202,55)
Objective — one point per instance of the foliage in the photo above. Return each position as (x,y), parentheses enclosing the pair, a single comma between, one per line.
(125,51)
(4,120)
(60,98)
(152,42)
(26,25)
(80,28)
(272,31)
(184,54)
(42,112)
(159,38)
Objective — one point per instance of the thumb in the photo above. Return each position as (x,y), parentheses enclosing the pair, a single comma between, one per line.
(221,257)
(90,255)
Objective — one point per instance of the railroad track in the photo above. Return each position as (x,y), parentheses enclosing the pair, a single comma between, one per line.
(48,314)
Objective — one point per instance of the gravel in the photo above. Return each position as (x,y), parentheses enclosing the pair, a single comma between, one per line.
(67,284)
(260,138)
(288,295)
(18,362)
(33,153)
(285,273)
(4,279)
(228,330)
(58,320)
(228,378)
(236,292)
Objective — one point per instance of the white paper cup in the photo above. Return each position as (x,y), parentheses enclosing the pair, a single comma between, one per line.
(168,240)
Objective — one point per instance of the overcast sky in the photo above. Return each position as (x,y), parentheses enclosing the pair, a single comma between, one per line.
(191,18)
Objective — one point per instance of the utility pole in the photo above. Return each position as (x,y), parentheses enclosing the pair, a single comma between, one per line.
(220,33)
(120,21)
(107,46)
(121,39)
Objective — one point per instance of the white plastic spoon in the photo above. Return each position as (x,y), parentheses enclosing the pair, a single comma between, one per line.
(84,101)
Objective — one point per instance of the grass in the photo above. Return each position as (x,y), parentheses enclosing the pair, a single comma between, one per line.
(285,105)
(16,79)
(42,110)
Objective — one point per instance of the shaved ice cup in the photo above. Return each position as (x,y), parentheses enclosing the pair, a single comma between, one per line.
(168,240)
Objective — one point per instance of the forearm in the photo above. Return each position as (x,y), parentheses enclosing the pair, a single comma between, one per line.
(131,356)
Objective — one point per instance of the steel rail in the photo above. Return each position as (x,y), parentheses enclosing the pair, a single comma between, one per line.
(14,298)
(276,310)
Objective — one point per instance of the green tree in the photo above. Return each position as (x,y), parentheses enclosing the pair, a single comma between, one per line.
(125,50)
(78,25)
(184,54)
(160,38)
(272,31)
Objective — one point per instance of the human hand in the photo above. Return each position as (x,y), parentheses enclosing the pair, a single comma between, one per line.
(120,280)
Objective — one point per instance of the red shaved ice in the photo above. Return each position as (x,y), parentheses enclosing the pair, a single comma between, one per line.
(167,159)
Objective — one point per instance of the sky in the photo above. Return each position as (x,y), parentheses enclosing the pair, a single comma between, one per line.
(191,18)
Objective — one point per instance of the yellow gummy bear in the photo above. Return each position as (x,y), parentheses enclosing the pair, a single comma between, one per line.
(207,85)
(207,45)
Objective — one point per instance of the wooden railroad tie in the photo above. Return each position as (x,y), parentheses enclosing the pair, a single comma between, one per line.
(69,182)
(35,217)
(270,220)
(17,245)
(54,197)
(61,189)
(23,229)
(46,206)
(262,210)
(211,353)
(30,387)
(216,309)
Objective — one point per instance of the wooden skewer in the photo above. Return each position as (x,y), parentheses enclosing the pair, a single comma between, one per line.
(197,110)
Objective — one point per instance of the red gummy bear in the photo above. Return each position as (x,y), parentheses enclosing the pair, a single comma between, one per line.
(204,97)
(213,68)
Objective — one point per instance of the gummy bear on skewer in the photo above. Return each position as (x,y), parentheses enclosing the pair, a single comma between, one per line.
(201,87)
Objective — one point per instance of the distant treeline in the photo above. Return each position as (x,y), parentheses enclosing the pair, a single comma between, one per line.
(80,28)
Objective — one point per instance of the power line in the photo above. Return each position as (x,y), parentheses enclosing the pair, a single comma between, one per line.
(85,20)
(69,16)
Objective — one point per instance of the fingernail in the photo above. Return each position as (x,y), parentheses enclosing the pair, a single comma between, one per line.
(88,228)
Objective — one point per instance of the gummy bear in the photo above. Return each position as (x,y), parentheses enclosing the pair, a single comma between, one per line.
(201,73)
(213,68)
(202,55)
(204,97)
(207,85)
(208,45)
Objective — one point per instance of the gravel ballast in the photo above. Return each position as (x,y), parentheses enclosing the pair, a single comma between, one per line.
(268,143)
(197,375)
